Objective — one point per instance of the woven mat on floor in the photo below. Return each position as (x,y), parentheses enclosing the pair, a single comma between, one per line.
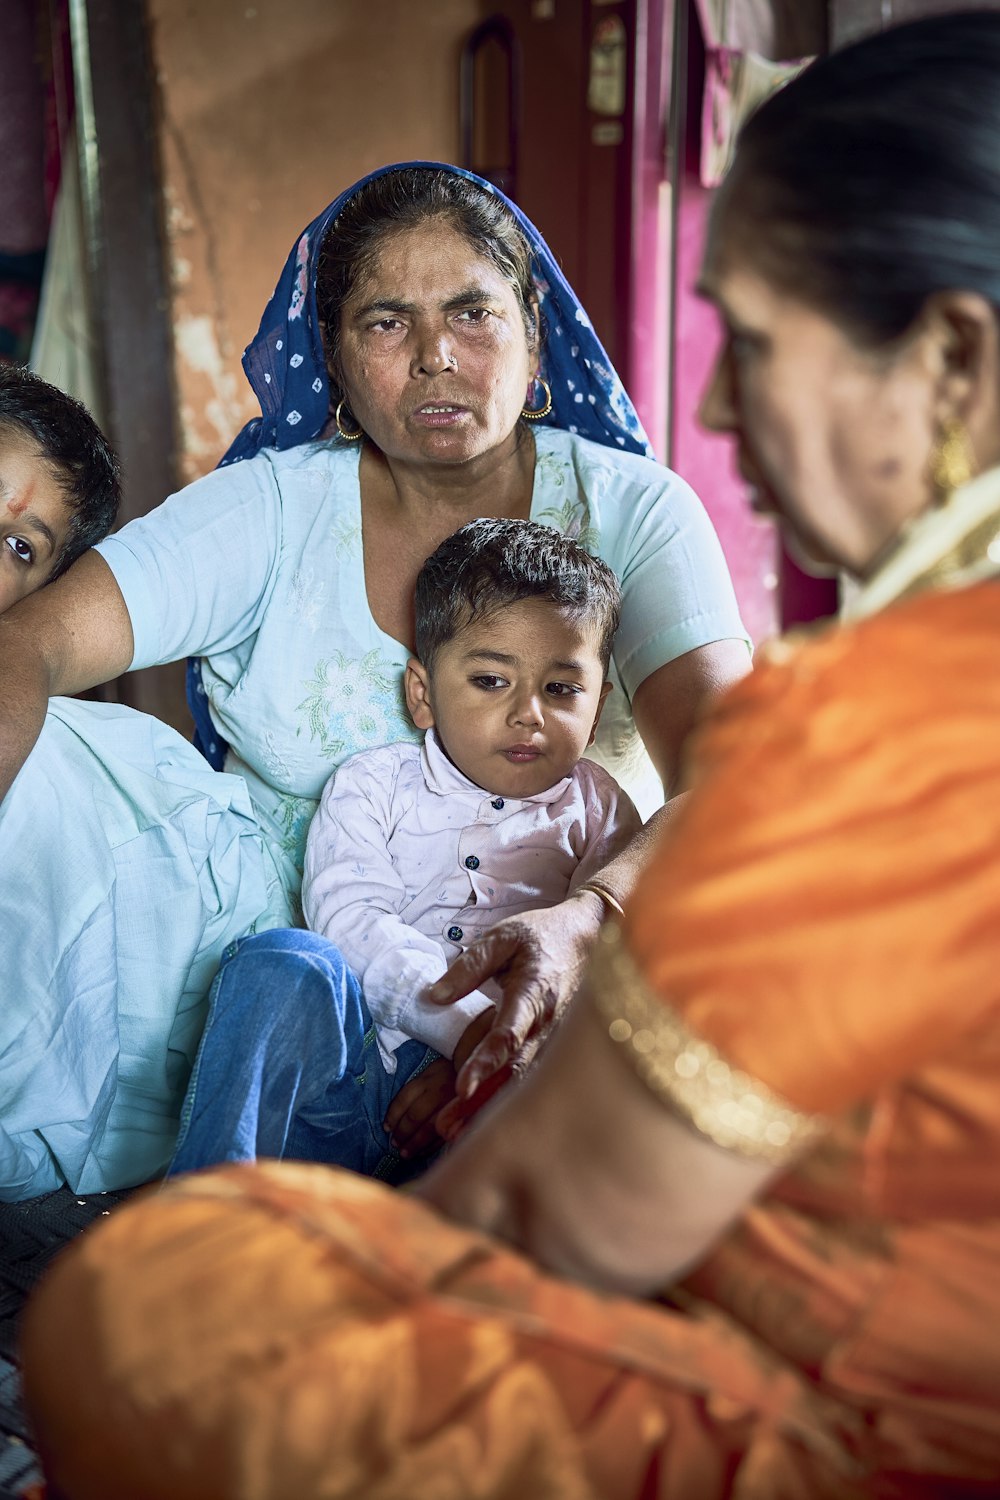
(31,1233)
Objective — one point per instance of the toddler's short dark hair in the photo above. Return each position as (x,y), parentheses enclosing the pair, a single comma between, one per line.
(76,450)
(492,563)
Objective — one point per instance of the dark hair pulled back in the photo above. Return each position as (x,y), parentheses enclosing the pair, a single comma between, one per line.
(872,180)
(404,200)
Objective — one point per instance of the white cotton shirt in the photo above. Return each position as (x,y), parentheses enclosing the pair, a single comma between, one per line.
(408,862)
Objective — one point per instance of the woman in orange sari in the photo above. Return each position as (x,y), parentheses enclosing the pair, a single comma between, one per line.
(778,1091)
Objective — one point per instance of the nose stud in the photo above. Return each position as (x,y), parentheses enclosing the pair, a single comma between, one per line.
(440,365)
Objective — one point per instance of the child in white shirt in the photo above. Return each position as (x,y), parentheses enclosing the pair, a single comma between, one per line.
(417,850)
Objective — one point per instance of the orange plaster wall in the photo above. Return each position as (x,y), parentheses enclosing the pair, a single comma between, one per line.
(267,110)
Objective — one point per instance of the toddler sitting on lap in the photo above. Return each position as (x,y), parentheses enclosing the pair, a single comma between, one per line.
(417,850)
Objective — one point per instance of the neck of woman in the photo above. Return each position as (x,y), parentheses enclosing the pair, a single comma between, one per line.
(952,545)
(407,511)
(497,483)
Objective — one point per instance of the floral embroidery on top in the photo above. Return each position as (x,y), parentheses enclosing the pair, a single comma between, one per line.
(271,758)
(572,515)
(307,597)
(294,814)
(345,534)
(572,518)
(354,704)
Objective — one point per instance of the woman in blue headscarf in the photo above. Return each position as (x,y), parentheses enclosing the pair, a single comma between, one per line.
(422,362)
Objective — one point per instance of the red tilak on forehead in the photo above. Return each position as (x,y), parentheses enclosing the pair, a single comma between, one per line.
(17,507)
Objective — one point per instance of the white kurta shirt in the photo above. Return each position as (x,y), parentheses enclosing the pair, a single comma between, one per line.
(408,862)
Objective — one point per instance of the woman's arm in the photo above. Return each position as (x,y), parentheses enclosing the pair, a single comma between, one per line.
(69,636)
(196,573)
(668,704)
(639,1196)
(539,957)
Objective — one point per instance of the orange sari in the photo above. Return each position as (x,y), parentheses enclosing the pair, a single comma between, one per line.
(824,916)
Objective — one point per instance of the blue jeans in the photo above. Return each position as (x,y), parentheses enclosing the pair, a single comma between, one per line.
(288,1064)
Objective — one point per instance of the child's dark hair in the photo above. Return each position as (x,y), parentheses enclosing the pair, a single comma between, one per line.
(491,564)
(74,447)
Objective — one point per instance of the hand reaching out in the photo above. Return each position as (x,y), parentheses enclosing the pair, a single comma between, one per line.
(538,959)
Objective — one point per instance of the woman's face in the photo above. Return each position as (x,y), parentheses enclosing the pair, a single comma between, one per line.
(833,440)
(435,361)
(35,520)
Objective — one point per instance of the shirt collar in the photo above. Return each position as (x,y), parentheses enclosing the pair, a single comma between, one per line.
(443,777)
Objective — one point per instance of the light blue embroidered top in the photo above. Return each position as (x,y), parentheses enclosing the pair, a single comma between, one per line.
(259,566)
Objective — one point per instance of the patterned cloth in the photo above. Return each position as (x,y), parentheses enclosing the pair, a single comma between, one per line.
(286,366)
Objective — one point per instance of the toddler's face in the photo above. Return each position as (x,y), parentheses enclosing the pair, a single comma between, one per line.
(35,519)
(515,697)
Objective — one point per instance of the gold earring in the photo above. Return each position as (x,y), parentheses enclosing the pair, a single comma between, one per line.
(349,437)
(952,462)
(545,408)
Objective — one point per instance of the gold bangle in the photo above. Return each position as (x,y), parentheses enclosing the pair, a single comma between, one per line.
(614,906)
(687,1073)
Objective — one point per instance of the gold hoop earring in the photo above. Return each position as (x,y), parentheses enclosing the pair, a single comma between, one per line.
(545,408)
(349,437)
(952,462)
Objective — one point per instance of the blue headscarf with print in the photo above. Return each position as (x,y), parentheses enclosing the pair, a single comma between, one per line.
(286,367)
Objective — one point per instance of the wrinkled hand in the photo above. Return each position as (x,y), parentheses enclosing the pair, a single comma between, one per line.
(538,960)
(411,1115)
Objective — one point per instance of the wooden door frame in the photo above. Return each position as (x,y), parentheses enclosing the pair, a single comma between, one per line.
(121,173)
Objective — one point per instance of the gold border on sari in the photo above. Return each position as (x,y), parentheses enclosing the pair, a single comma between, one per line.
(688,1074)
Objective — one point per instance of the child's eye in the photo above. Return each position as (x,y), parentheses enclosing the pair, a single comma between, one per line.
(562,689)
(489,682)
(22,550)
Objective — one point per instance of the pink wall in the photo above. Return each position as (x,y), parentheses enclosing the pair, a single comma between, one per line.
(707,461)
(645,367)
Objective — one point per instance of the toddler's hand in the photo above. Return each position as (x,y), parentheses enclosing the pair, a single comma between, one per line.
(410,1117)
(457,1113)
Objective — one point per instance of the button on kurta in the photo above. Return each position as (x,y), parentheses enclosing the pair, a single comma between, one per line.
(471,862)
(455,934)
(497,803)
